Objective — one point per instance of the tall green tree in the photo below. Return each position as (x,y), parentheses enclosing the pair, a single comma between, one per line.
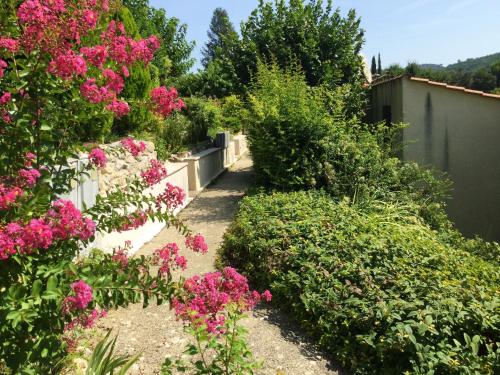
(173,59)
(373,68)
(319,38)
(221,36)
(379,69)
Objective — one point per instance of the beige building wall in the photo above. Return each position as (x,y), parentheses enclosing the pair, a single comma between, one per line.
(458,133)
(389,96)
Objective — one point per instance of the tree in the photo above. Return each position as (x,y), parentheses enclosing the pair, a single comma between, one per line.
(324,43)
(483,80)
(373,68)
(173,59)
(221,34)
(379,69)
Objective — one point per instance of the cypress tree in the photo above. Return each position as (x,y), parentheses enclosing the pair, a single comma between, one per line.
(379,70)
(220,33)
(373,68)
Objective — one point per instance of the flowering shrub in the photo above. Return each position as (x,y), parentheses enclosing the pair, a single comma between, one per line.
(212,305)
(63,64)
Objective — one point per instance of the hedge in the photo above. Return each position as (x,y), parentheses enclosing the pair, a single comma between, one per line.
(378,287)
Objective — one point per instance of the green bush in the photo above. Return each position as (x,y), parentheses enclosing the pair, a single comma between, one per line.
(234,114)
(301,138)
(379,288)
(205,118)
(172,136)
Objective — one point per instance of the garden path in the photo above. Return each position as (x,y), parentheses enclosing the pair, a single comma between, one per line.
(155,332)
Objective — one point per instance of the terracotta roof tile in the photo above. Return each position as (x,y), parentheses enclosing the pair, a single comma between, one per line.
(439,84)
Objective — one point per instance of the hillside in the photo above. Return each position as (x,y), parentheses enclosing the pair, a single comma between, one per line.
(474,64)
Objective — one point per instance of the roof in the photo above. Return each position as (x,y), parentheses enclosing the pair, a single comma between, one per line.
(439,84)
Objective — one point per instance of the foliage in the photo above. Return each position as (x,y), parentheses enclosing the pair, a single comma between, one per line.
(377,286)
(302,138)
(173,59)
(172,136)
(221,33)
(325,44)
(104,362)
(212,307)
(204,117)
(234,114)
(63,65)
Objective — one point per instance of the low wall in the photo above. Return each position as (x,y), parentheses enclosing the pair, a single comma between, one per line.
(240,145)
(178,176)
(204,167)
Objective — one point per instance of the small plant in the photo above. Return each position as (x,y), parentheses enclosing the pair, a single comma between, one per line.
(103,361)
(212,307)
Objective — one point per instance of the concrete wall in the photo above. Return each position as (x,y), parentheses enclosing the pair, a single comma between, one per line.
(458,133)
(204,166)
(387,94)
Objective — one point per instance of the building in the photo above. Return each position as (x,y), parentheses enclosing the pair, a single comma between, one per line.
(455,130)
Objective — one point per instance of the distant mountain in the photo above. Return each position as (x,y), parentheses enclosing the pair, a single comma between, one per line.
(469,65)
(432,66)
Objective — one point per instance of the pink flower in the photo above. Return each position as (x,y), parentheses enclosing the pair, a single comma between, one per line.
(67,65)
(154,174)
(172,197)
(134,221)
(98,157)
(167,258)
(125,71)
(83,294)
(90,18)
(96,55)
(91,92)
(165,101)
(197,244)
(135,148)
(114,81)
(28,177)
(207,297)
(29,158)
(267,296)
(9,196)
(66,221)
(3,66)
(11,45)
(120,256)
(119,108)
(5,98)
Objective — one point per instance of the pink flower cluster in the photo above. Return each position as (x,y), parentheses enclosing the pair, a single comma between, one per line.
(135,148)
(98,157)
(68,64)
(61,222)
(28,177)
(3,66)
(168,258)
(77,303)
(155,173)
(9,196)
(172,197)
(165,101)
(208,296)
(197,243)
(5,98)
(9,44)
(134,220)
(120,255)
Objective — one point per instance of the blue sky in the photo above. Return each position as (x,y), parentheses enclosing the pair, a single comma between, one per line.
(426,31)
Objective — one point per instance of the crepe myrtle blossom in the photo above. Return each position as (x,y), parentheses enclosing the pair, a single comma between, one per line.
(165,101)
(207,297)
(135,148)
(173,197)
(97,157)
(197,243)
(155,173)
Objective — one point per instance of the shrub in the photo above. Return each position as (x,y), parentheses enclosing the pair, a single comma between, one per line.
(172,137)
(377,286)
(234,114)
(204,116)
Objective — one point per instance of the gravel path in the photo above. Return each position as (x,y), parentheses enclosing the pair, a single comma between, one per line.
(155,332)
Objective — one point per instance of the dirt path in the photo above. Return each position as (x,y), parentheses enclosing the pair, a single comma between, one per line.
(154,330)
